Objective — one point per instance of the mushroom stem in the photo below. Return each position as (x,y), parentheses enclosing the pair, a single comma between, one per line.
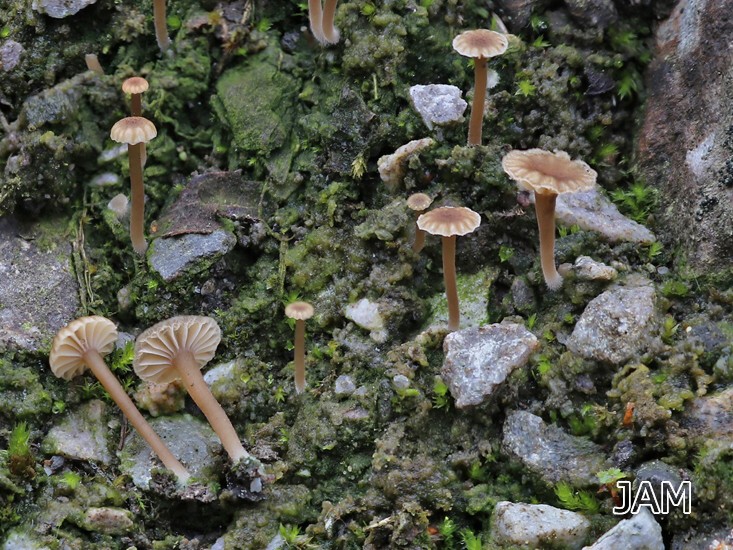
(330,33)
(161,25)
(99,368)
(449,275)
(198,390)
(137,202)
(544,204)
(315,15)
(299,355)
(136,104)
(419,243)
(479,98)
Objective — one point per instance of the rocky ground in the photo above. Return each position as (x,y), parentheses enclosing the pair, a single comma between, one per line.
(280,172)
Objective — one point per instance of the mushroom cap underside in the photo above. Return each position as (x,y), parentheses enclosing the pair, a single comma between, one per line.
(75,339)
(480,43)
(133,130)
(449,221)
(548,172)
(300,311)
(157,348)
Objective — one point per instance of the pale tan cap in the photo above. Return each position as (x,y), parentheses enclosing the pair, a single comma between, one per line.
(132,130)
(157,347)
(480,43)
(449,221)
(135,85)
(419,202)
(75,339)
(300,311)
(548,173)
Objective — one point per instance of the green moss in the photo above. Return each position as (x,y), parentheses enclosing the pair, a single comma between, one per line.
(22,394)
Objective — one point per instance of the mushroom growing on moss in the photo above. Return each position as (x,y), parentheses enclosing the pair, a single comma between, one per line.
(82,344)
(548,174)
(177,349)
(448,222)
(300,312)
(480,45)
(135,86)
(419,203)
(135,131)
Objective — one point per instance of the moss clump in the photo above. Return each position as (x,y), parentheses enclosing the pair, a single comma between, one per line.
(21,393)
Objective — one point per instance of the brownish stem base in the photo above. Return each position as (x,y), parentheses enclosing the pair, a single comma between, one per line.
(545,207)
(449,275)
(479,98)
(299,355)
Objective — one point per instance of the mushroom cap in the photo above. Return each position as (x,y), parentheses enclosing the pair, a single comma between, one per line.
(419,202)
(449,221)
(75,339)
(480,43)
(157,348)
(300,311)
(132,130)
(135,85)
(548,173)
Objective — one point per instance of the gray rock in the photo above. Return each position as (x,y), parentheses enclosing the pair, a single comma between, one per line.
(173,256)
(58,9)
(710,416)
(22,539)
(107,520)
(595,13)
(618,325)
(587,269)
(190,440)
(83,435)
(10,53)
(344,385)
(685,147)
(594,212)
(640,532)
(478,360)
(522,295)
(438,104)
(366,314)
(38,291)
(537,525)
(656,472)
(400,382)
(550,453)
(517,13)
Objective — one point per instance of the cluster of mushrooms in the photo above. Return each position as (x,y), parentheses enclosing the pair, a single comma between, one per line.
(545,174)
(179,347)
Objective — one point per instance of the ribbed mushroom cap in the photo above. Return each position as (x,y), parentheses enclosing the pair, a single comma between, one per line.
(300,311)
(548,173)
(419,202)
(480,43)
(132,130)
(135,85)
(75,339)
(157,347)
(449,221)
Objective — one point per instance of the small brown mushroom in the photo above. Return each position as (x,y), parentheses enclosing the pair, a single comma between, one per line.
(177,349)
(135,131)
(161,25)
(300,311)
(82,344)
(135,86)
(315,16)
(419,202)
(479,44)
(448,222)
(548,174)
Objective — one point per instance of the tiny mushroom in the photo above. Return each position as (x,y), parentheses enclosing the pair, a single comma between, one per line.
(135,86)
(300,311)
(177,349)
(479,44)
(448,222)
(82,344)
(419,202)
(548,174)
(135,131)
